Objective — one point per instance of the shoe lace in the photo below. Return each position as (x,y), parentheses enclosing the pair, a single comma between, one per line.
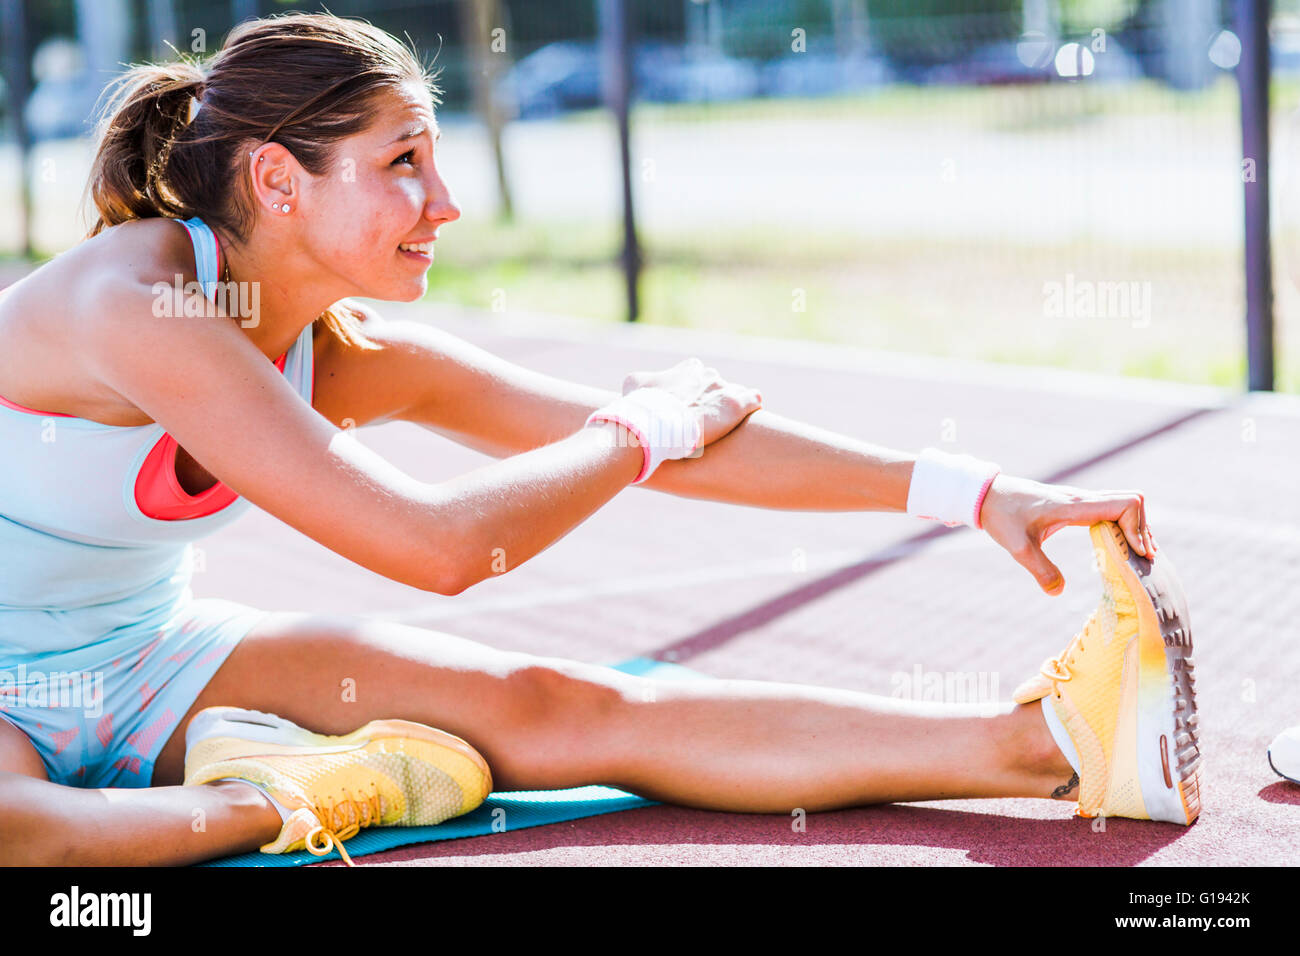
(342,820)
(1057,669)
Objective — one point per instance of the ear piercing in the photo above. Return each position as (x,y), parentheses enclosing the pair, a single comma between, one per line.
(274,205)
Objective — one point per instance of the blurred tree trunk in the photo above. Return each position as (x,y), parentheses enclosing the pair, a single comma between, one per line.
(849,27)
(162,28)
(1185,30)
(487,41)
(1043,16)
(104,34)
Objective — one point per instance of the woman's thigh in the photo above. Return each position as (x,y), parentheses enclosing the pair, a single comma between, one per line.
(17,753)
(539,722)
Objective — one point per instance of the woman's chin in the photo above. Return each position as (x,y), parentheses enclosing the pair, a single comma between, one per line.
(404,291)
(416,292)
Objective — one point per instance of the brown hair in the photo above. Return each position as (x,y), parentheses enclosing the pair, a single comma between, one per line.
(303,80)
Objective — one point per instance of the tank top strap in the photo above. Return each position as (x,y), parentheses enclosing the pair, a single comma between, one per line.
(205,253)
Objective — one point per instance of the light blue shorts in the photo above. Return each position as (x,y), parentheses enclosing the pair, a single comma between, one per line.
(100,715)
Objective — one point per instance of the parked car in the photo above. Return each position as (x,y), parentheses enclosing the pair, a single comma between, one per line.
(672,74)
(567,76)
(557,77)
(818,74)
(1037,60)
(1006,61)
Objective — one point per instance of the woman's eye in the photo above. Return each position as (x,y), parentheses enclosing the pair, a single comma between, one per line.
(406,157)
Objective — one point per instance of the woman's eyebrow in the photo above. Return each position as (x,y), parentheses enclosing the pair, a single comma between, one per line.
(414,131)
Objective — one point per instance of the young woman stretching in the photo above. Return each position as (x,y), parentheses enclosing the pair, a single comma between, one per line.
(294,170)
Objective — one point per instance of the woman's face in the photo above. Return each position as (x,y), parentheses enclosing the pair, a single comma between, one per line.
(382,195)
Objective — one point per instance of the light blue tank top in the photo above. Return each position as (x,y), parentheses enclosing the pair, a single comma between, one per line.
(79,561)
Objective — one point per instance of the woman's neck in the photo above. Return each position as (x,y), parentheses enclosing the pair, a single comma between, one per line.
(275,303)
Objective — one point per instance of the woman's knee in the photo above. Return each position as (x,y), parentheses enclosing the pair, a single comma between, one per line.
(563,717)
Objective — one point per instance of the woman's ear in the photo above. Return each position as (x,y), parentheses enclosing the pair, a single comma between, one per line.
(275,176)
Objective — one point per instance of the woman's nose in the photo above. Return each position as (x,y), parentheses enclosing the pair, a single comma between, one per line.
(442,204)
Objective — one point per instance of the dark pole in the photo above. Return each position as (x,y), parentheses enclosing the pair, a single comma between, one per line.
(18,73)
(616,77)
(1252,79)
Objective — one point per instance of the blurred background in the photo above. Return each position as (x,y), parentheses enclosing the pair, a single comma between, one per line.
(1052,182)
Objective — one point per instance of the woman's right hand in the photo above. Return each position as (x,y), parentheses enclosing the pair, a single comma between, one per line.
(719,405)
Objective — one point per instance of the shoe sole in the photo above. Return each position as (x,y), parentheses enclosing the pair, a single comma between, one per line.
(324,744)
(1168,754)
(1279,772)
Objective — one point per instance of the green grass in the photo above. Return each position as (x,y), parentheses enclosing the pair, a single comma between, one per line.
(964,299)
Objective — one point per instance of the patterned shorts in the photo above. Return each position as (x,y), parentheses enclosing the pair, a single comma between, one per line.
(100,715)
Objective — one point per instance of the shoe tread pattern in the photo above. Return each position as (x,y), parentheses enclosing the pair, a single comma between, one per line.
(1161,583)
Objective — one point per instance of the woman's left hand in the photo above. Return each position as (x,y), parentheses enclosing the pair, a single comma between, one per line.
(1020,514)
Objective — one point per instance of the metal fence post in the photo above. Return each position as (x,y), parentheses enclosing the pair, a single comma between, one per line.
(1252,80)
(616,81)
(18,72)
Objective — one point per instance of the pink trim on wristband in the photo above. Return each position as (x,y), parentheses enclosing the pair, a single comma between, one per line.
(979,502)
(645,445)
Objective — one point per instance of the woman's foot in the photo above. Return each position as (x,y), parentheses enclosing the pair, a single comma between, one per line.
(1123,691)
(387,773)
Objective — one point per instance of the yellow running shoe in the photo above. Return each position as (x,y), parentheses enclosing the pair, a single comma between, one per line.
(1123,690)
(388,773)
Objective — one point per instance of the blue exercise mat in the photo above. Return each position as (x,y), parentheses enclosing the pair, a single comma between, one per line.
(501,812)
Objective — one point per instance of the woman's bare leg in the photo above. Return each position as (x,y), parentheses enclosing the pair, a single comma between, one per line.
(753,746)
(544,723)
(541,723)
(46,824)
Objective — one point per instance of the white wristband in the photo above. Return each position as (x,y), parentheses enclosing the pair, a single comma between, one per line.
(949,488)
(664,425)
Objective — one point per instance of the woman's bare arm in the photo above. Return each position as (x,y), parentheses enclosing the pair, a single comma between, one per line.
(225,403)
(432,378)
(442,382)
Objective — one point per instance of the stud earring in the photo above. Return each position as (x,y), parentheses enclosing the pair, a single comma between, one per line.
(286,207)
(275,205)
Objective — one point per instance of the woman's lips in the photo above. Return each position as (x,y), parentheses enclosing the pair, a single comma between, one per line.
(417,253)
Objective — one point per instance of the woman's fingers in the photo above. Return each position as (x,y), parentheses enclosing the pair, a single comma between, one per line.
(1127,509)
(1036,562)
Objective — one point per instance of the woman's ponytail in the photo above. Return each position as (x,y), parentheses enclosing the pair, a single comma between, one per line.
(149,110)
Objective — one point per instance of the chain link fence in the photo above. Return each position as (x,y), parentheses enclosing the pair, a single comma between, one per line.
(1047,181)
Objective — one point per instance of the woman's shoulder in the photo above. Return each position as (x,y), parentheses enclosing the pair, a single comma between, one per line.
(54,321)
(137,253)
